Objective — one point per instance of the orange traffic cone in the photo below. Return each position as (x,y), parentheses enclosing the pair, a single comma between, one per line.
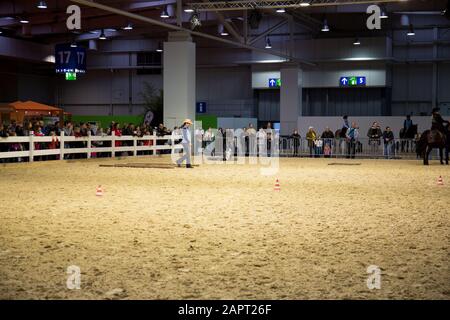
(99,191)
(440,181)
(277,186)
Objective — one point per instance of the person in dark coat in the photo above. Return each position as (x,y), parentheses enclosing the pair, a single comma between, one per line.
(438,123)
(388,139)
(295,136)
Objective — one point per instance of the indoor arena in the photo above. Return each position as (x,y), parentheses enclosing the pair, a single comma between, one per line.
(224,150)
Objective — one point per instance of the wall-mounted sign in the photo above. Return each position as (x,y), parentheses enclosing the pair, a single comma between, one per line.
(201,107)
(274,83)
(352,81)
(68,59)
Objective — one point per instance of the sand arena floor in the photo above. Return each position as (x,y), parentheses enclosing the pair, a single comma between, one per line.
(221,232)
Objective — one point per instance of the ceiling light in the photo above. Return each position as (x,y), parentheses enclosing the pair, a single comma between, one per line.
(42,5)
(73,45)
(325,27)
(356,42)
(281,10)
(1,31)
(159,49)
(164,13)
(305,4)
(268,44)
(411,31)
(221,30)
(128,27)
(24,20)
(383,15)
(188,10)
(102,35)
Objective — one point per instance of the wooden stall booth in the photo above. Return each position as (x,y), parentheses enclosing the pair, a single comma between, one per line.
(30,110)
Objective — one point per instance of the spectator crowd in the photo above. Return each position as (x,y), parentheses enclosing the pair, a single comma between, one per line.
(347,141)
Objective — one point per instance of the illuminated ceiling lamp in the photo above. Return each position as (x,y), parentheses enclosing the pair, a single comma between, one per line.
(268,44)
(189,10)
(411,31)
(383,15)
(42,5)
(305,4)
(280,10)
(73,44)
(325,27)
(221,30)
(164,13)
(159,49)
(356,42)
(102,35)
(129,26)
(24,20)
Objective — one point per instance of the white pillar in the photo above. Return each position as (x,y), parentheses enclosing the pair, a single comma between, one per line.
(179,79)
(290,97)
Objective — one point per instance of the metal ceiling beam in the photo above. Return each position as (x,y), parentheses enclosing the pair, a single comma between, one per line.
(227,25)
(268,31)
(195,33)
(273,4)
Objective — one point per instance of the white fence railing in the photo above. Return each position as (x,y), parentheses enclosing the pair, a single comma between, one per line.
(91,145)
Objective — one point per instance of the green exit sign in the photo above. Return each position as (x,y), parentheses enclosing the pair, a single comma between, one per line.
(71,76)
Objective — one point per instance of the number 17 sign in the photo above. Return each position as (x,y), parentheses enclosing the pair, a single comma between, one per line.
(68,59)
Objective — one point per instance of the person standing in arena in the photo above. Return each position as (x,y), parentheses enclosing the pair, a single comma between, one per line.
(352,137)
(186,143)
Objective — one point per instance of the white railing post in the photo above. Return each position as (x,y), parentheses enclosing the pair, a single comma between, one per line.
(89,144)
(31,152)
(113,144)
(172,144)
(61,145)
(154,144)
(134,146)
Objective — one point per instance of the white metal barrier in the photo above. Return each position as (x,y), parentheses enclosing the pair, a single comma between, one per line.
(90,148)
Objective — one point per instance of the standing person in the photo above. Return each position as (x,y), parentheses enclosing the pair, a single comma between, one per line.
(251,139)
(343,134)
(352,137)
(374,134)
(186,143)
(311,138)
(261,142)
(269,132)
(318,145)
(437,122)
(295,136)
(388,138)
(327,137)
(408,123)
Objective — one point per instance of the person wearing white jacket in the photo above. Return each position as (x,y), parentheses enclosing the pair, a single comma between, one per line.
(186,143)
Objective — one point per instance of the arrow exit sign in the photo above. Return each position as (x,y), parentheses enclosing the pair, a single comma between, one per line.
(352,81)
(274,83)
(71,76)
